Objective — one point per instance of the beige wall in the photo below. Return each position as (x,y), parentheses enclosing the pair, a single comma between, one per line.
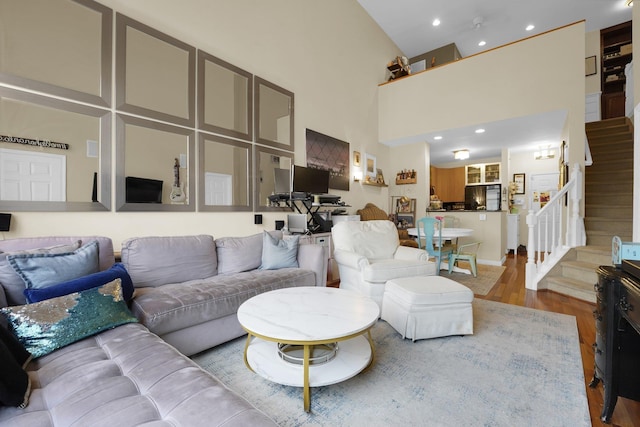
(539,74)
(330,54)
(592,48)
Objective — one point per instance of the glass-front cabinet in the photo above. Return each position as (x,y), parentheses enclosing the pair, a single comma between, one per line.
(487,173)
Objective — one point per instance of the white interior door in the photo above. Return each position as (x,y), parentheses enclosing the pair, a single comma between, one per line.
(218,189)
(31,176)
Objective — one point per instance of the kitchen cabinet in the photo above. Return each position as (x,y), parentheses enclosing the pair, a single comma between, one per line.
(449,183)
(486,173)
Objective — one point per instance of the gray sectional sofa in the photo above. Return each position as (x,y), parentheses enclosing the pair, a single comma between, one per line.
(187,291)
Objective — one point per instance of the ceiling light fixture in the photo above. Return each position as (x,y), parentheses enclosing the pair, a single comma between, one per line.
(437,138)
(480,130)
(482,43)
(477,22)
(530,27)
(461,154)
(629,3)
(435,22)
(544,153)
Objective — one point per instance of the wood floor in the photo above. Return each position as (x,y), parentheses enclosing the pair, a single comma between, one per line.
(510,289)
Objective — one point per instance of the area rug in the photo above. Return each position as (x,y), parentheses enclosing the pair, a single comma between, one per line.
(522,367)
(488,276)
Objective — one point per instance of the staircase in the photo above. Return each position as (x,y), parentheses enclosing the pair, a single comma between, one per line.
(608,208)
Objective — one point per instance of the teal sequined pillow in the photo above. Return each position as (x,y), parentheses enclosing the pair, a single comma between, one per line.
(48,325)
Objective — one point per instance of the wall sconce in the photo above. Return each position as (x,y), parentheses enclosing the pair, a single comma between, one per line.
(357,175)
(461,154)
(629,3)
(544,154)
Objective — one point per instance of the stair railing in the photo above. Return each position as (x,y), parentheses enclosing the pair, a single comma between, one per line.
(550,237)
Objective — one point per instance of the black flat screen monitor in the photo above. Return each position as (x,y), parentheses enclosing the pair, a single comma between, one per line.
(143,190)
(310,181)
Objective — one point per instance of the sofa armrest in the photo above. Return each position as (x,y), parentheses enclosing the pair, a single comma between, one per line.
(311,257)
(409,253)
(350,259)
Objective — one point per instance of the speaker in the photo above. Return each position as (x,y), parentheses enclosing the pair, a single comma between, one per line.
(5,221)
(257,219)
(279,224)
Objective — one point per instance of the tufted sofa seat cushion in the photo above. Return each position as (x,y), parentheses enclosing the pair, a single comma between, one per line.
(127,376)
(176,306)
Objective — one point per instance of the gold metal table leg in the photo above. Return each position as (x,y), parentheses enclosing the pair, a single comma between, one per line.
(246,347)
(307,392)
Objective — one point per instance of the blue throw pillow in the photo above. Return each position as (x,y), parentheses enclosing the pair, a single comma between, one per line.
(277,253)
(117,271)
(46,326)
(42,270)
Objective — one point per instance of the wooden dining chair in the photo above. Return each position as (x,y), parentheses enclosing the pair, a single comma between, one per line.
(466,252)
(433,243)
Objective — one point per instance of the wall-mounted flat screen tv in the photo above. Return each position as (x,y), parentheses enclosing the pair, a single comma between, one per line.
(310,180)
(143,190)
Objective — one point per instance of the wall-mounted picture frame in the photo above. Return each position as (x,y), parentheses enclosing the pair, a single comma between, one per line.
(356,158)
(370,168)
(519,179)
(590,66)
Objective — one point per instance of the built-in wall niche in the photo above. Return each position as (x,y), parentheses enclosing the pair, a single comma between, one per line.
(267,161)
(60,47)
(274,115)
(55,155)
(155,73)
(224,180)
(154,162)
(225,98)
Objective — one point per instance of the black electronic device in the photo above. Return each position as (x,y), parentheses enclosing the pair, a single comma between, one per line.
(329,198)
(310,180)
(143,190)
(5,221)
(323,221)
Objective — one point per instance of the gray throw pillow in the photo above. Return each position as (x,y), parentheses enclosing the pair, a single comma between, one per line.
(279,253)
(13,284)
(39,271)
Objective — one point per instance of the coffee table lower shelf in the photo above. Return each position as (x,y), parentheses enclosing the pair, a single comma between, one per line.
(352,357)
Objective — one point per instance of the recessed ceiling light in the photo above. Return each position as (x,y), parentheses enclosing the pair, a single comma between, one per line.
(482,43)
(530,27)
(435,22)
(480,130)
(437,138)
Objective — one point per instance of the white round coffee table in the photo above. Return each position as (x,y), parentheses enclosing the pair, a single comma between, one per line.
(308,336)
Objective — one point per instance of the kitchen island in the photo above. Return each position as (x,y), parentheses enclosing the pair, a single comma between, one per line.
(489,227)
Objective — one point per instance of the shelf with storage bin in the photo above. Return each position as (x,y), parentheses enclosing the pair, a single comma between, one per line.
(406,181)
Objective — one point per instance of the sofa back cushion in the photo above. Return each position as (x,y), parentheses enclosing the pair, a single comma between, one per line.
(160,260)
(375,239)
(238,254)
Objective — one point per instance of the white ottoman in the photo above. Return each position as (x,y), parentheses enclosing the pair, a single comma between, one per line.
(428,307)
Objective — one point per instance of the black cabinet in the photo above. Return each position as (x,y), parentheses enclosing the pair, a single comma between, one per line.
(617,346)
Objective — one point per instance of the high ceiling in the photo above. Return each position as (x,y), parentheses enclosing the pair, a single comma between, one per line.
(497,22)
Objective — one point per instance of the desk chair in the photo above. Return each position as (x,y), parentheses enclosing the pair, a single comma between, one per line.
(466,252)
(427,226)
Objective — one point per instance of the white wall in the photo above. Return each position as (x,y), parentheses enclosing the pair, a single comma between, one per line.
(330,54)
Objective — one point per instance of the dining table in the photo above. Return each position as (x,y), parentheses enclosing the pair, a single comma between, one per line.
(447,233)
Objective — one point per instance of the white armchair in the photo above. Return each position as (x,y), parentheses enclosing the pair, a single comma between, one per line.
(368,253)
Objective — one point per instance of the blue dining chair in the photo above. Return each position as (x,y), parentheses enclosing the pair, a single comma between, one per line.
(433,244)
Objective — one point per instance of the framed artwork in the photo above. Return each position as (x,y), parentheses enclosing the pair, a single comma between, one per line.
(405,221)
(405,205)
(590,66)
(327,153)
(518,179)
(370,168)
(356,158)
